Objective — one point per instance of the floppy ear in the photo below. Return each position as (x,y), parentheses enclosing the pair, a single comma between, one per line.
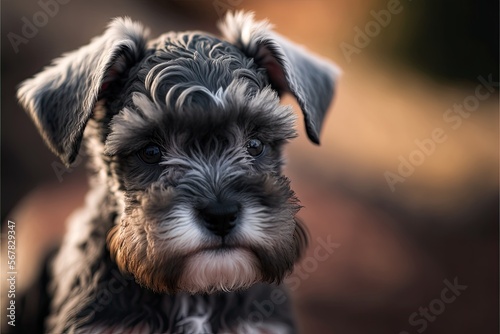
(60,99)
(289,67)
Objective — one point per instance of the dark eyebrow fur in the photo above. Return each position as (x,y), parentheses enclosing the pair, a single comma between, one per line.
(198,124)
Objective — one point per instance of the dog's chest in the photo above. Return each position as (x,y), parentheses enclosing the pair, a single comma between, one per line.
(191,314)
(182,314)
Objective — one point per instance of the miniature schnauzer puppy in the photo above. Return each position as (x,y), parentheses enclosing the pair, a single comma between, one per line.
(190,224)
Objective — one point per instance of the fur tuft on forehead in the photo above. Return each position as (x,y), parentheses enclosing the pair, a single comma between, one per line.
(189,62)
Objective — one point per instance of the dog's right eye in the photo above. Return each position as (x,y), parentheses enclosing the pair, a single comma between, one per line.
(150,154)
(255,147)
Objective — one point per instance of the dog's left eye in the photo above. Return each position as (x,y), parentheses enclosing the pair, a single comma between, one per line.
(150,154)
(255,147)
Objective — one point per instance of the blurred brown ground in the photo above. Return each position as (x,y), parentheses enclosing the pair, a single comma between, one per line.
(395,248)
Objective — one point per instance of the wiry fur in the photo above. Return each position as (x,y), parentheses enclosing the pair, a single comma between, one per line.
(139,257)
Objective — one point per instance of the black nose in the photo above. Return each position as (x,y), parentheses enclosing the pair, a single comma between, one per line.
(220,217)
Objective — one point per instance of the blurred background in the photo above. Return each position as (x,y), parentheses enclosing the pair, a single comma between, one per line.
(404,184)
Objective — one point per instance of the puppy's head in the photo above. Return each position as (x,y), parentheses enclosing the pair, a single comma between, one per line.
(188,132)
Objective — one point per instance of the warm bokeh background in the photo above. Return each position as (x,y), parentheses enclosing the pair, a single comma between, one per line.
(395,246)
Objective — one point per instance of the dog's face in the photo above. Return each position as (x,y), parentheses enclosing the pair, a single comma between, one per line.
(197,161)
(188,131)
